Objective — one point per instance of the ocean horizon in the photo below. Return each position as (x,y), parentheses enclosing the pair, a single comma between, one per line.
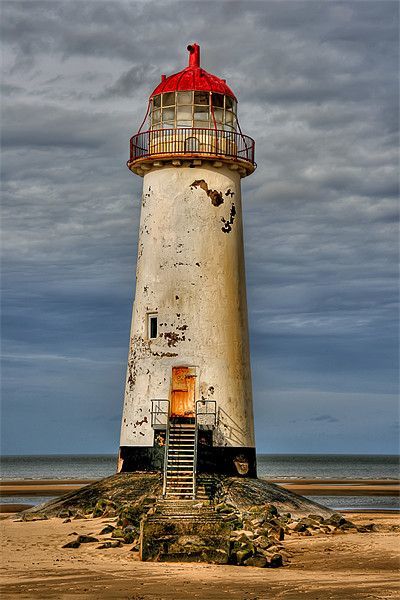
(270,466)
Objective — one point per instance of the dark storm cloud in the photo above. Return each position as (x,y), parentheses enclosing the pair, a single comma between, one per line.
(318,88)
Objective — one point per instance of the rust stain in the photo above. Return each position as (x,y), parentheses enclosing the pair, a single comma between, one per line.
(229,193)
(215,196)
(173,338)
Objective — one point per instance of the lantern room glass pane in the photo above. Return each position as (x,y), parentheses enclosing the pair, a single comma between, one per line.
(183,123)
(228,102)
(201,124)
(218,100)
(201,113)
(184,112)
(156,116)
(168,114)
(157,101)
(229,117)
(219,115)
(184,97)
(168,125)
(168,99)
(201,98)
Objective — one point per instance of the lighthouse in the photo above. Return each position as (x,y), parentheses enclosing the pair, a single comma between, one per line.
(188,397)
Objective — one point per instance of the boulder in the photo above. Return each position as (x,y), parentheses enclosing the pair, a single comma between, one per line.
(336,519)
(107,529)
(109,544)
(242,555)
(276,561)
(256,561)
(103,508)
(73,544)
(86,539)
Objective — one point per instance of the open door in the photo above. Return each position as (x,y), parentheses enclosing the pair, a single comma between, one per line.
(183,392)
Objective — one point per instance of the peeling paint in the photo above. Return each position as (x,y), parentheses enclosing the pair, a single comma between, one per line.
(173,338)
(227,227)
(215,196)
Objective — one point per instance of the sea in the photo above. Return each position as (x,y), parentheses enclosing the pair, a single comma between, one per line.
(270,466)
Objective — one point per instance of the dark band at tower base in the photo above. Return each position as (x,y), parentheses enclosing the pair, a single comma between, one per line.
(222,460)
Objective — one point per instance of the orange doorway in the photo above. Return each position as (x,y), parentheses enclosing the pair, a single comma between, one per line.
(183,391)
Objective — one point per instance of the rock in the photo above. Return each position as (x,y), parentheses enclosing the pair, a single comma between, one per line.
(34,517)
(79,515)
(86,539)
(336,519)
(245,535)
(224,508)
(317,518)
(118,533)
(276,561)
(242,555)
(73,533)
(256,561)
(64,513)
(107,529)
(130,515)
(347,525)
(216,556)
(257,523)
(270,509)
(300,527)
(73,544)
(108,544)
(262,542)
(129,536)
(104,507)
(67,520)
(367,528)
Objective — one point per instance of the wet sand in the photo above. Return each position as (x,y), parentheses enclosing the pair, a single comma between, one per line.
(346,566)
(305,487)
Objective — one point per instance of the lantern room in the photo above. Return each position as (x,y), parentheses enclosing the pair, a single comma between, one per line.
(192,114)
(193,109)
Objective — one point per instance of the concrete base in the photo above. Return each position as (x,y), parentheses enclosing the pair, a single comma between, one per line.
(184,532)
(231,461)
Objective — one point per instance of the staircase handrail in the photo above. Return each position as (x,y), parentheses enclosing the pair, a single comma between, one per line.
(212,413)
(196,430)
(166,460)
(156,413)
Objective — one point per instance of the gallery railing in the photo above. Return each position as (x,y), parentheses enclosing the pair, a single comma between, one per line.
(192,141)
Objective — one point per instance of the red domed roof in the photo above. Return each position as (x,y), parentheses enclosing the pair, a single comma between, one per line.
(193,78)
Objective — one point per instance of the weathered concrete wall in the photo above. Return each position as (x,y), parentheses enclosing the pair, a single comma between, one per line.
(190,271)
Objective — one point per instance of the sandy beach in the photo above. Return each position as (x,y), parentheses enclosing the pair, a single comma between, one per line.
(345,566)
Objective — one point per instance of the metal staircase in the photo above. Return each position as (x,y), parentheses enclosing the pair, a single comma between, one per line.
(180,461)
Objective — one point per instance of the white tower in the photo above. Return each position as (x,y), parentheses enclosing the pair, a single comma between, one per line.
(188,398)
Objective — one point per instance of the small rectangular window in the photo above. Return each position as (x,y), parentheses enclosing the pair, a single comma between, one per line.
(152,326)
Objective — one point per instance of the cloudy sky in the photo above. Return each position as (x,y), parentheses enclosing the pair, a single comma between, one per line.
(318,90)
